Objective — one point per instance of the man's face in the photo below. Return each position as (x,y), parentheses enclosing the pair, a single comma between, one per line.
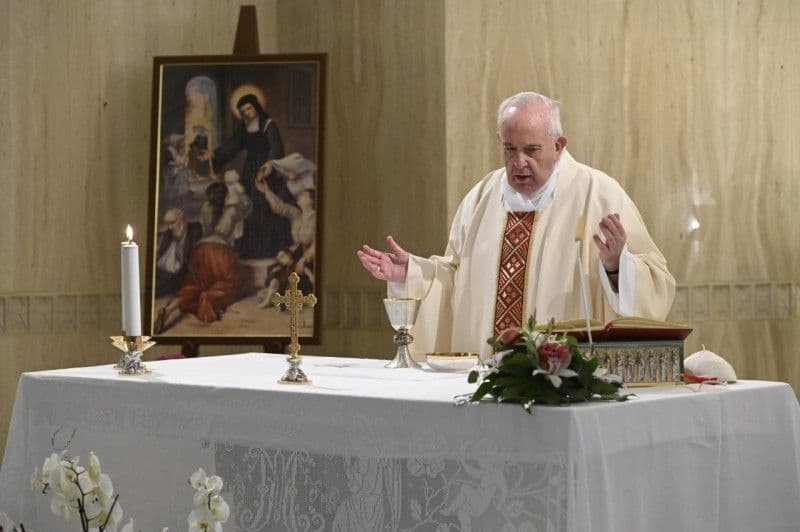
(284,259)
(176,225)
(530,152)
(247,111)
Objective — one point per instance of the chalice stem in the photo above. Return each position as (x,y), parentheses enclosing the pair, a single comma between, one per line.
(402,358)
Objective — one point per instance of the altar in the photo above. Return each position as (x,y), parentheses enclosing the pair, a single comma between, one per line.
(369,448)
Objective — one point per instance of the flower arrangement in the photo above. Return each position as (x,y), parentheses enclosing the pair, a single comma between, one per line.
(88,493)
(530,367)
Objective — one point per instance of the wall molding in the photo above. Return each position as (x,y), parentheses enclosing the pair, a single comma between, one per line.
(344,308)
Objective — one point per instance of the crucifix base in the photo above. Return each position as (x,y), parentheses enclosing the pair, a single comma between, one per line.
(294,375)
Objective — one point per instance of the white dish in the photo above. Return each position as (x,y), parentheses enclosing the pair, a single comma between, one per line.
(451,361)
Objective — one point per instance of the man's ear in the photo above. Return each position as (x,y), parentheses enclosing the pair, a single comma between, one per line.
(498,137)
(561,143)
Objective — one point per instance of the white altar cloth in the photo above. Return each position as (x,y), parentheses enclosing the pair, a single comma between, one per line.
(369,448)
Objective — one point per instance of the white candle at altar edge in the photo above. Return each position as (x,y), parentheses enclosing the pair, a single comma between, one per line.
(131,311)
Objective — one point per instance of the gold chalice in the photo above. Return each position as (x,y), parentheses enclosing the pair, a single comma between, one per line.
(402,312)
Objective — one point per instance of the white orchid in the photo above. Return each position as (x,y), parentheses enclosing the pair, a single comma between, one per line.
(211,509)
(38,483)
(7,525)
(198,479)
(90,493)
(219,508)
(62,508)
(100,511)
(202,482)
(202,520)
(52,470)
(93,467)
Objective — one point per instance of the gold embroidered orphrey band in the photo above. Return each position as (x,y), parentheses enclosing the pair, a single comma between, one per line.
(512,270)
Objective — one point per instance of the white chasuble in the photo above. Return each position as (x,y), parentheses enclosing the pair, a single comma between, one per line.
(459,288)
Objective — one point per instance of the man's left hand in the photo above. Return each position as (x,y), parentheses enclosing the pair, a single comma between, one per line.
(610,246)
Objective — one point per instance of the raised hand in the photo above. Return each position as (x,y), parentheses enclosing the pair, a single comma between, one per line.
(610,246)
(386,266)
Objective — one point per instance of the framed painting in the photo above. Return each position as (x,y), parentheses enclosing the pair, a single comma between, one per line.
(235,196)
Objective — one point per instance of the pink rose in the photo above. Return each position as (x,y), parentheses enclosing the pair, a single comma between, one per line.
(553,357)
(510,336)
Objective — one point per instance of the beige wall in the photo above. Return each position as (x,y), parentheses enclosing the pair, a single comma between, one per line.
(692,106)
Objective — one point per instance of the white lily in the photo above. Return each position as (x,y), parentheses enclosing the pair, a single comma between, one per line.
(539,339)
(605,376)
(498,357)
(555,378)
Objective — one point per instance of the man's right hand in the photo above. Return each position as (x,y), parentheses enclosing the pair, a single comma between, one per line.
(390,266)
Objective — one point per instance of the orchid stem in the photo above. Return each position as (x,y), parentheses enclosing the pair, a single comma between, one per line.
(110,511)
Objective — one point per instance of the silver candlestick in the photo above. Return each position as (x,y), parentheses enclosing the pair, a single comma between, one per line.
(402,314)
(132,348)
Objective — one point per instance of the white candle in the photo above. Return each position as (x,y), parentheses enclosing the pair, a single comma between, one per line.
(131,311)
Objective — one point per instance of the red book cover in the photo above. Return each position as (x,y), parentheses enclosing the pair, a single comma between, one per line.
(625,330)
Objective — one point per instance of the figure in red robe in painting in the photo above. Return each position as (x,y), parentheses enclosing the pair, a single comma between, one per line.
(214,280)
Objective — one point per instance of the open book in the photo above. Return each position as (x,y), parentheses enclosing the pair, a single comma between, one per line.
(623,329)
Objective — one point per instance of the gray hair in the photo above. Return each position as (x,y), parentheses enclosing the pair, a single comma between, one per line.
(174,214)
(552,112)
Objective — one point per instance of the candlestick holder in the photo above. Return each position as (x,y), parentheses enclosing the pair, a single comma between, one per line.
(132,348)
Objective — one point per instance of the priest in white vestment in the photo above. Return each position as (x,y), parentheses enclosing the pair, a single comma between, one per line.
(512,251)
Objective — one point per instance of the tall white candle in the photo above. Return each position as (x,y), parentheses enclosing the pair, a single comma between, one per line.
(131,311)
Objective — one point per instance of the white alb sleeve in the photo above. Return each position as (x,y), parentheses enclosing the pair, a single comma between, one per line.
(396,289)
(622,300)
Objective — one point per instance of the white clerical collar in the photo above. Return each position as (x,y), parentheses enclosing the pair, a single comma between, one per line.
(514,201)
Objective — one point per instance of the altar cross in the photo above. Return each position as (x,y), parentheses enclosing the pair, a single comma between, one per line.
(294,300)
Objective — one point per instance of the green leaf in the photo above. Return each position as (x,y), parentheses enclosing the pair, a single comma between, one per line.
(507,380)
(482,390)
(603,388)
(522,372)
(515,359)
(473,377)
(572,342)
